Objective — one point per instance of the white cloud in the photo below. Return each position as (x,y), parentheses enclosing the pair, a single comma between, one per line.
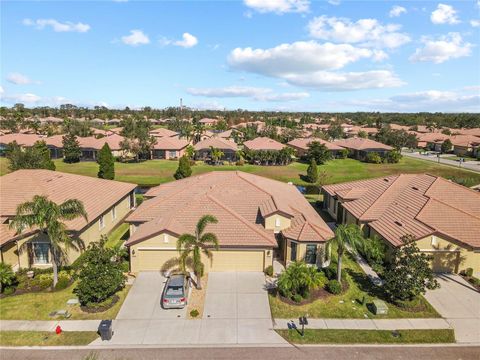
(57,26)
(444,14)
(255,93)
(396,11)
(19,79)
(27,98)
(366,32)
(429,100)
(188,41)
(278,6)
(446,47)
(136,37)
(1,90)
(309,64)
(475,23)
(334,2)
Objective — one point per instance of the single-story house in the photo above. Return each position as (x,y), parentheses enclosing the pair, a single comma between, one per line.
(431,141)
(169,148)
(360,148)
(258,219)
(90,145)
(55,144)
(465,145)
(442,216)
(301,146)
(203,148)
(263,143)
(163,132)
(106,202)
(24,140)
(208,122)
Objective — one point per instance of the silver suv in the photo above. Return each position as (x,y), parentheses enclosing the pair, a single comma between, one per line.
(175,292)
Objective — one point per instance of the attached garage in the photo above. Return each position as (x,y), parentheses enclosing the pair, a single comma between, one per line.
(155,259)
(445,261)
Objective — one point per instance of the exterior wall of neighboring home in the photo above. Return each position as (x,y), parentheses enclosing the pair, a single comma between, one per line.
(56,153)
(277,223)
(349,218)
(228,154)
(362,154)
(160,253)
(21,258)
(167,154)
(322,252)
(462,150)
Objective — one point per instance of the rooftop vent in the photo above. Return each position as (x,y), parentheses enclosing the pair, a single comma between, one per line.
(386,180)
(415,188)
(398,223)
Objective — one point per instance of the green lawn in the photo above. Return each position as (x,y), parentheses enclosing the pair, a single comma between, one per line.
(37,306)
(348,305)
(116,237)
(337,336)
(156,172)
(45,338)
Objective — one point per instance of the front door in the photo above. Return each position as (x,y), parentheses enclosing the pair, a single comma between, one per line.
(293,254)
(311,254)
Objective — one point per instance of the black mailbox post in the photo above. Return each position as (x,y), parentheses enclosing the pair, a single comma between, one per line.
(105,329)
(303,321)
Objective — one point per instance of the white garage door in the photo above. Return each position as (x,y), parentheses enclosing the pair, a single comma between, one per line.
(149,260)
(237,261)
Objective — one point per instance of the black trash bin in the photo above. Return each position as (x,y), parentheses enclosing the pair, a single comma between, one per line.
(105,329)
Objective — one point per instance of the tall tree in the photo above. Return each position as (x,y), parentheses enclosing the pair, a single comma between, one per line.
(318,152)
(106,162)
(312,172)
(195,244)
(184,170)
(216,154)
(41,151)
(446,146)
(48,217)
(71,149)
(346,237)
(35,157)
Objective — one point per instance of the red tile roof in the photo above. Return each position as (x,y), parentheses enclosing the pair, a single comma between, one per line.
(419,205)
(170,143)
(161,132)
(235,198)
(263,143)
(362,144)
(21,139)
(216,142)
(302,143)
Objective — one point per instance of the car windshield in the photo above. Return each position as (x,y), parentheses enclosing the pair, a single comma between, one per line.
(174,291)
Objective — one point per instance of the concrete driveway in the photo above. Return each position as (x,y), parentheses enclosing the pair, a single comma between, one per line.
(459,303)
(236,312)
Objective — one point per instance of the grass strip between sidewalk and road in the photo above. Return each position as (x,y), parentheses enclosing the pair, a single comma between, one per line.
(341,336)
(46,338)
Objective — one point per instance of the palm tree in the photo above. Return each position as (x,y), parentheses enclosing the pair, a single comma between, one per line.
(47,216)
(216,154)
(194,245)
(346,236)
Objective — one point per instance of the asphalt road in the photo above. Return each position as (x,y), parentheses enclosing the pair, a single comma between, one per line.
(263,353)
(469,165)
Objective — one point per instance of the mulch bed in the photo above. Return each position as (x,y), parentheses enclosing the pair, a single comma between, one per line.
(97,309)
(315,295)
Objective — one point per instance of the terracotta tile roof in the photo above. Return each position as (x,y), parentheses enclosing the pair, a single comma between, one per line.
(237,199)
(362,144)
(55,140)
(21,139)
(161,132)
(91,142)
(97,195)
(170,143)
(263,143)
(474,132)
(419,205)
(302,143)
(432,137)
(465,140)
(207,121)
(216,142)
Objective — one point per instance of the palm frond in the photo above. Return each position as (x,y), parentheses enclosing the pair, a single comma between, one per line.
(72,209)
(204,221)
(210,238)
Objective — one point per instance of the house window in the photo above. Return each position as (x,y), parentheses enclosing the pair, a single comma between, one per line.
(165,238)
(293,254)
(101,222)
(311,254)
(41,253)
(434,240)
(114,213)
(173,154)
(277,221)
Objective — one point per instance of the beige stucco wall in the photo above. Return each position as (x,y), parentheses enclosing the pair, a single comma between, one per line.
(348,218)
(331,205)
(166,241)
(271,221)
(302,249)
(88,235)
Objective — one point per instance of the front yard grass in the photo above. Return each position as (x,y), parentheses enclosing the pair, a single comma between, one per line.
(45,338)
(37,306)
(337,336)
(349,304)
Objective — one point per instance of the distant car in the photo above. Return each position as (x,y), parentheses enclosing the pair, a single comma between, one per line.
(175,292)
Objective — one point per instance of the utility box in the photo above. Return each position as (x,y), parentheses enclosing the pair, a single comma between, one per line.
(379,307)
(105,330)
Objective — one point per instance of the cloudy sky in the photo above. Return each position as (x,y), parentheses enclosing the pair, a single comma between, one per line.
(296,55)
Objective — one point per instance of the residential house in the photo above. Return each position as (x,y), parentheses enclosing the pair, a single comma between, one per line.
(263,143)
(431,141)
(443,217)
(257,218)
(203,148)
(90,146)
(24,140)
(301,146)
(360,148)
(169,148)
(106,202)
(163,132)
(208,122)
(465,145)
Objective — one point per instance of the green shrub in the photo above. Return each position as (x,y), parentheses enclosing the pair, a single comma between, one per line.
(343,154)
(194,313)
(373,158)
(44,281)
(393,157)
(125,266)
(299,278)
(269,270)
(474,281)
(240,162)
(7,276)
(62,283)
(330,272)
(297,298)
(9,290)
(334,287)
(469,272)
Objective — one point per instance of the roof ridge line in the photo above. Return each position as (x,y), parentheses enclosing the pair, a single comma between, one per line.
(381,195)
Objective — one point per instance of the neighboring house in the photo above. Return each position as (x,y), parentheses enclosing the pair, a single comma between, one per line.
(263,143)
(169,148)
(444,217)
(55,144)
(106,202)
(474,132)
(24,140)
(256,217)
(301,146)
(360,148)
(208,122)
(431,141)
(465,145)
(90,146)
(162,132)
(203,148)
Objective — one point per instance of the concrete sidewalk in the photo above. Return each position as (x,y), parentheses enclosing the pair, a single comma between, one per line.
(49,325)
(368,324)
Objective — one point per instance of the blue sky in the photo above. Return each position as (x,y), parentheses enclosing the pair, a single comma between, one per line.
(296,55)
